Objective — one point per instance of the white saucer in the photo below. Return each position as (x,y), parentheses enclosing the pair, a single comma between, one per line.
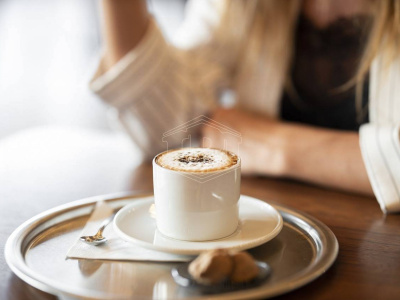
(259,223)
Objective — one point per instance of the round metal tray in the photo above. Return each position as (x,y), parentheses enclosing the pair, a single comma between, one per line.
(36,252)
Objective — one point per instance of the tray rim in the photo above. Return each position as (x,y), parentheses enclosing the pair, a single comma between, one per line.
(14,250)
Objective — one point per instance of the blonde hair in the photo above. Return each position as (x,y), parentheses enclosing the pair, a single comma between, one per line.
(384,36)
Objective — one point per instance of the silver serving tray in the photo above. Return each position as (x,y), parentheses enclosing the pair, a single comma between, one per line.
(36,252)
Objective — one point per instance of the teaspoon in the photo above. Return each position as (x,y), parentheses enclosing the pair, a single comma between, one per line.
(98,238)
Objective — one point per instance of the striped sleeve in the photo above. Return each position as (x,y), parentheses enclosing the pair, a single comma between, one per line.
(123,80)
(158,86)
(380,139)
(380,148)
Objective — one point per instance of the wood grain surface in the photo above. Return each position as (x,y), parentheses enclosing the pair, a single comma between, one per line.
(368,265)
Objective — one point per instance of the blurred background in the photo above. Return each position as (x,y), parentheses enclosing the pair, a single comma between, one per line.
(48,51)
(56,141)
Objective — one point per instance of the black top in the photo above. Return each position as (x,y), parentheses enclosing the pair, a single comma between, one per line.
(324,60)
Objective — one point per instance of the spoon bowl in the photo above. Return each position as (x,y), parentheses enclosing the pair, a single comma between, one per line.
(93,239)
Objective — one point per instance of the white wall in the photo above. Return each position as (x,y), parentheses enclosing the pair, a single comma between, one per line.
(48,50)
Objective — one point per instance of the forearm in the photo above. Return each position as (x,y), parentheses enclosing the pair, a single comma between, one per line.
(325,157)
(125,23)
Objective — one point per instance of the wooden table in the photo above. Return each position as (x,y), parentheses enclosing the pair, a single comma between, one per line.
(43,168)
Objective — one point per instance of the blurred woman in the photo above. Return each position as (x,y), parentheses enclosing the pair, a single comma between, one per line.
(316,83)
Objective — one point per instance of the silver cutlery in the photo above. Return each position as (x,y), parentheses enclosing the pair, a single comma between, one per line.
(98,238)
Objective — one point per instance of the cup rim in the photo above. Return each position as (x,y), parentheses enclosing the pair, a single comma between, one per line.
(237,165)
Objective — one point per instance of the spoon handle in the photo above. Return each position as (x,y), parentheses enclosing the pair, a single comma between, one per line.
(104,224)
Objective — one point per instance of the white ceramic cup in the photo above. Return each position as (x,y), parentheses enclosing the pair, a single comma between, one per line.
(196,207)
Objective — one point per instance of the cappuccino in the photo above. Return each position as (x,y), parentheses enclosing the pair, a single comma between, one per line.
(197,160)
(196,193)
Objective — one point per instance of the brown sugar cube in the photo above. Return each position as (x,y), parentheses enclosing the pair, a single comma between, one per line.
(211,267)
(244,268)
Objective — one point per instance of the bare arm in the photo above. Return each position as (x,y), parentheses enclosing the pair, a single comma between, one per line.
(125,23)
(325,157)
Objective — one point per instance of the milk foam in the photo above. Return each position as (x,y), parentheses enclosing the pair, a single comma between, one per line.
(197,159)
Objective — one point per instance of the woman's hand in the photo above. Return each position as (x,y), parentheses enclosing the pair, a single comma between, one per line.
(269,147)
(261,147)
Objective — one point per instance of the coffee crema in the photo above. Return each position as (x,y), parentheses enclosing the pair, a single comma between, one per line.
(197,160)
